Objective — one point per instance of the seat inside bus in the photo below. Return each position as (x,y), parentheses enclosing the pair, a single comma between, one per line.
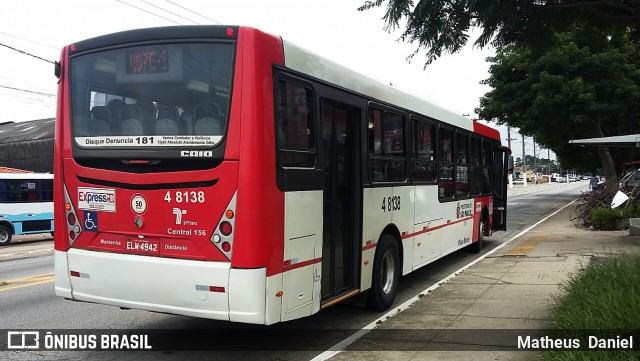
(208,119)
(131,120)
(166,120)
(100,121)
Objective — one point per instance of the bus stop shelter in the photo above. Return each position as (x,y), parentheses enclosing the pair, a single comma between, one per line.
(632,140)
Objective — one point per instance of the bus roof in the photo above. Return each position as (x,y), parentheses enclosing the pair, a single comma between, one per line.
(307,62)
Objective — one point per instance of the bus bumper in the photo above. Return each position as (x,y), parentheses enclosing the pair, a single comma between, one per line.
(185,287)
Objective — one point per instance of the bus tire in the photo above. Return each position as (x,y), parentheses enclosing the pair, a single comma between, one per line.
(386,274)
(477,246)
(5,235)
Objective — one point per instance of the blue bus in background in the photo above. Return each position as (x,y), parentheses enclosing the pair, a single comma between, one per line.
(26,204)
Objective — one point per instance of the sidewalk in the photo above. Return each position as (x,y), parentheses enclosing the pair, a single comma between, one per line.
(512,289)
(24,246)
(521,189)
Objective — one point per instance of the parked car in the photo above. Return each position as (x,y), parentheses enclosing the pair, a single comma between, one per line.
(630,181)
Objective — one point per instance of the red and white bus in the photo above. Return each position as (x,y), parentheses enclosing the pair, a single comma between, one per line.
(225,173)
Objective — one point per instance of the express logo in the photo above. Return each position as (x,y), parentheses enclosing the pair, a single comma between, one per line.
(97,199)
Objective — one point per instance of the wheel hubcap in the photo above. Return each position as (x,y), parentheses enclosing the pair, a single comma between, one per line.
(388,272)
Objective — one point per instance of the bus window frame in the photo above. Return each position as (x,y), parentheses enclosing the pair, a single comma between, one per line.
(441,162)
(386,158)
(313,112)
(413,141)
(466,164)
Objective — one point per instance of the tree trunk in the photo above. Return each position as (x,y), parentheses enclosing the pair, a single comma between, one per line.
(608,165)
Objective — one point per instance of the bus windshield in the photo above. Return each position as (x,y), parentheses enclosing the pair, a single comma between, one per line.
(162,96)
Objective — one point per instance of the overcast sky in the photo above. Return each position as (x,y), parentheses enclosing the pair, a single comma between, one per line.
(332,28)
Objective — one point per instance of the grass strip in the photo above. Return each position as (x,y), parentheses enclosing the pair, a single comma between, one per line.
(602,300)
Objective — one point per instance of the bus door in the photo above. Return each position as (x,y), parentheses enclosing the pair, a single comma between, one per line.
(340,192)
(500,169)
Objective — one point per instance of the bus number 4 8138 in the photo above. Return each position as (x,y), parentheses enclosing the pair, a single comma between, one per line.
(391,203)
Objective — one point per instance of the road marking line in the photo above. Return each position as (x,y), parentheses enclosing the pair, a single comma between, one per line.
(27,278)
(15,283)
(340,346)
(35,283)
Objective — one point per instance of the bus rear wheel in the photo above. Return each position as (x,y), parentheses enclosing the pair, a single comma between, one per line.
(477,247)
(386,274)
(5,235)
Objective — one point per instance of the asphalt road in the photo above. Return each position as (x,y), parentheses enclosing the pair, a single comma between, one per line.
(30,302)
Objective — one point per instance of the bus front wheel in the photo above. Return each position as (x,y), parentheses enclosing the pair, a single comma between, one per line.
(386,274)
(5,235)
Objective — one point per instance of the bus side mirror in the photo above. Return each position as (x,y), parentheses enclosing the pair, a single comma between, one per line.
(57,69)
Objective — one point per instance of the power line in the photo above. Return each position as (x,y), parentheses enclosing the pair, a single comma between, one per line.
(26,53)
(31,41)
(148,12)
(170,12)
(28,91)
(191,11)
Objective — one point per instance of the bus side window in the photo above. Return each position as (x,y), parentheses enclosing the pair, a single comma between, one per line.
(3,191)
(295,129)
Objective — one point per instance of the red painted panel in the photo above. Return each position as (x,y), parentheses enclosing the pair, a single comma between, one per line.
(61,150)
(259,234)
(486,131)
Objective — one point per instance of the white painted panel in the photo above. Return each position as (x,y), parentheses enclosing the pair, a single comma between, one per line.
(458,233)
(302,214)
(274,302)
(298,282)
(303,243)
(62,282)
(247,288)
(428,214)
(152,283)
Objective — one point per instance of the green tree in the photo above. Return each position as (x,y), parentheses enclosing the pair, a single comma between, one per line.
(442,25)
(587,86)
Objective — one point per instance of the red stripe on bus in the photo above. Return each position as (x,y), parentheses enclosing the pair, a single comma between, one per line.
(288,266)
(436,227)
(369,246)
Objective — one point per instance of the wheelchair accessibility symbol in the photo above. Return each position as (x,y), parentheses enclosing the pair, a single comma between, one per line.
(91,221)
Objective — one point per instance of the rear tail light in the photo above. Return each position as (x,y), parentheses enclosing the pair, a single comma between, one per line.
(226,228)
(222,236)
(73,226)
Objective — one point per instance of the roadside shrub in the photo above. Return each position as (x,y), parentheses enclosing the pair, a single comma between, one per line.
(632,210)
(605,219)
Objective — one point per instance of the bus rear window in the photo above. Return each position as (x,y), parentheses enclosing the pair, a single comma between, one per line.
(161,96)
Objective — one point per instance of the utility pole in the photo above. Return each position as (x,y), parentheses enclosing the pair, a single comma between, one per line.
(524,163)
(510,178)
(535,169)
(549,159)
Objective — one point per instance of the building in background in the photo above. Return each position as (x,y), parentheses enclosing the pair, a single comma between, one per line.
(27,145)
